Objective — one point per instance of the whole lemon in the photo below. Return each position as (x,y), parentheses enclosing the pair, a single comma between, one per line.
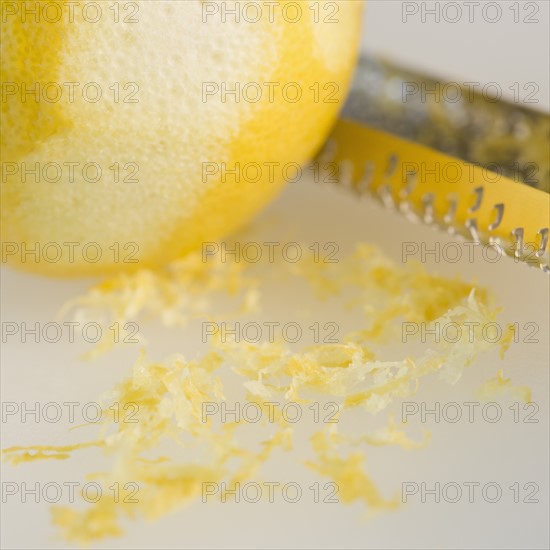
(132,132)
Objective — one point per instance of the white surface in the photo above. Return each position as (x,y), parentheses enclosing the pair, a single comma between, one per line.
(504,452)
(503,52)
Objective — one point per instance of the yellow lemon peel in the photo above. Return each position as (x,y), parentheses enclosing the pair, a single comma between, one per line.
(502,387)
(186,289)
(348,474)
(133,100)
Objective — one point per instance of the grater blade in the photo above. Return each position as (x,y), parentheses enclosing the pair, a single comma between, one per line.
(476,168)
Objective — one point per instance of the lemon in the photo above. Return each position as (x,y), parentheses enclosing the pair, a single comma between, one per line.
(132,132)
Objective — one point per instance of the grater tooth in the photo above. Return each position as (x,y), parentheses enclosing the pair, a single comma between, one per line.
(428,208)
(543,242)
(450,215)
(364,184)
(385,195)
(519,246)
(479,199)
(471,226)
(500,214)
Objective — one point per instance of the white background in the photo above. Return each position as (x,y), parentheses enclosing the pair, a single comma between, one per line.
(504,51)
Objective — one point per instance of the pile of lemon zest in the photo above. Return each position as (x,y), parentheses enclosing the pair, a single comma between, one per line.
(388,435)
(95,523)
(18,454)
(507,340)
(184,290)
(169,395)
(348,474)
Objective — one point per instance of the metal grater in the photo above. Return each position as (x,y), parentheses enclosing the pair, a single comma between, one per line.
(476,167)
